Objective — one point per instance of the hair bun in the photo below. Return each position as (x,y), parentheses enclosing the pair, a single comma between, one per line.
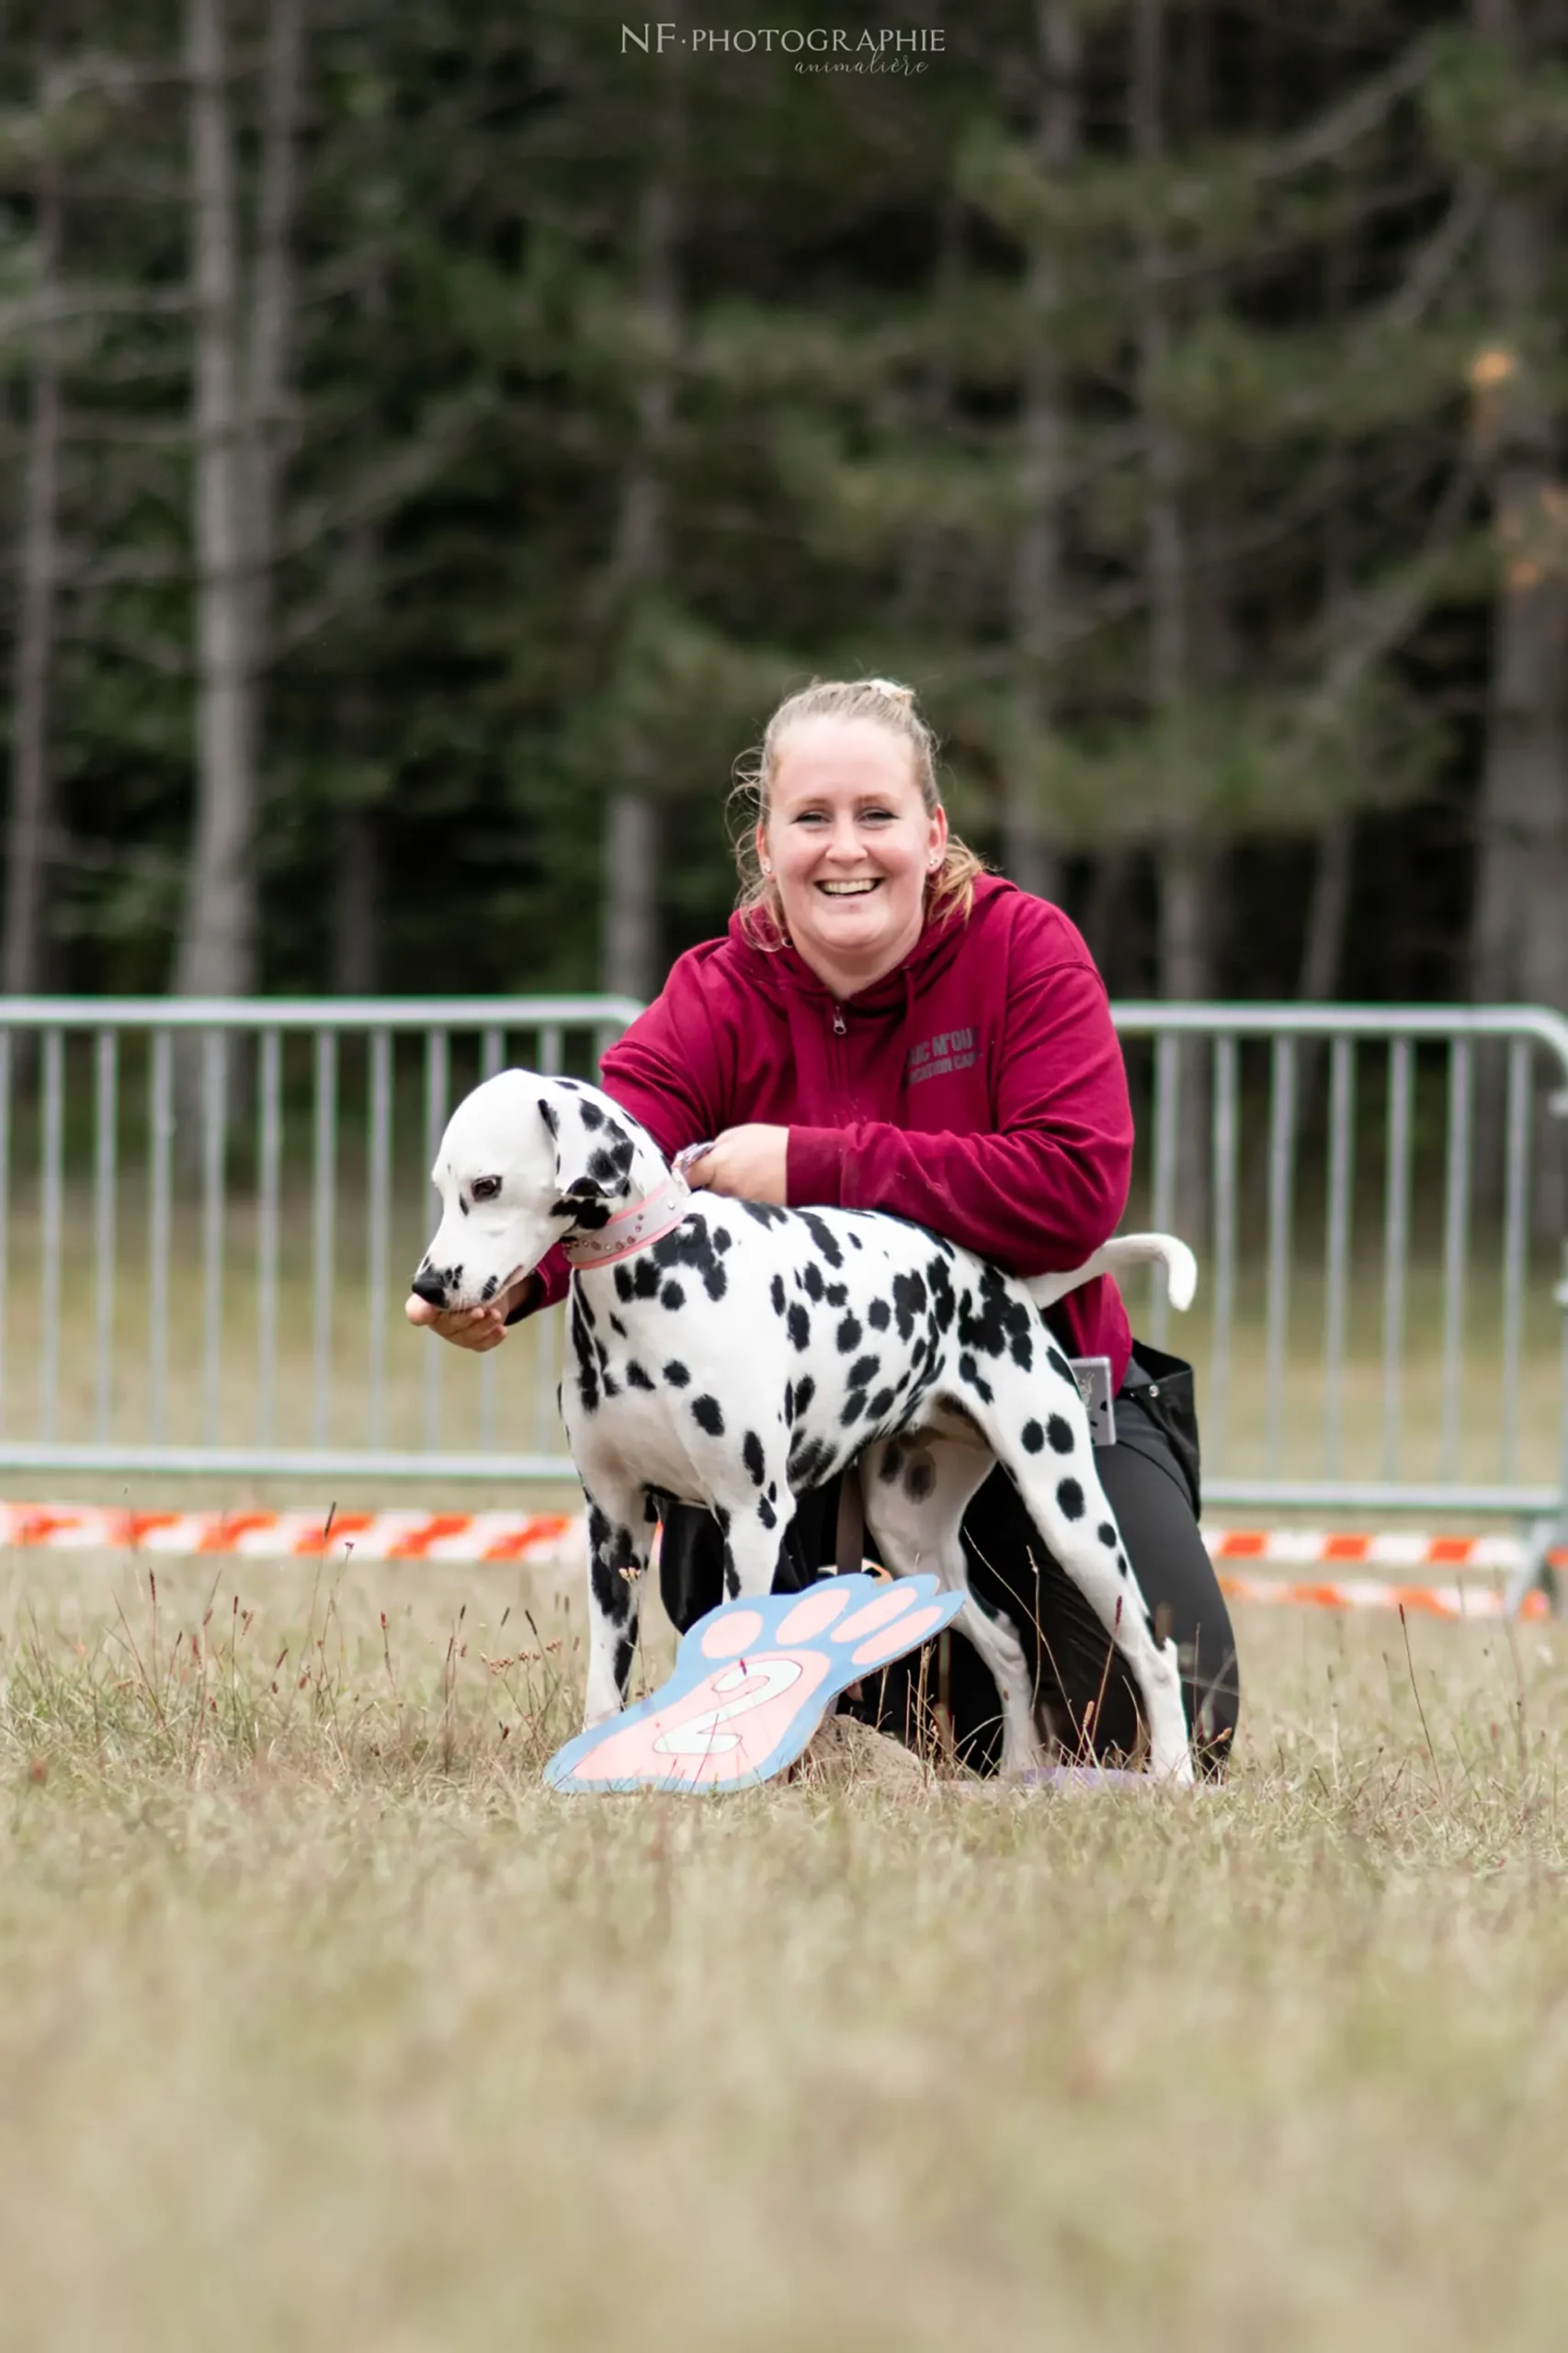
(889,688)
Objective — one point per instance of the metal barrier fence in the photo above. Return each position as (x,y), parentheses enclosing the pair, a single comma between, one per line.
(209,1210)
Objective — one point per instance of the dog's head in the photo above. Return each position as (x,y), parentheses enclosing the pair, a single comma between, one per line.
(524,1161)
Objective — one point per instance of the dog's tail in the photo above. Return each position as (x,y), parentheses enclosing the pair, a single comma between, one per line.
(1125,1251)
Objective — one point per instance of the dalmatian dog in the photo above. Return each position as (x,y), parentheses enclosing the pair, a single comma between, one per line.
(734,1355)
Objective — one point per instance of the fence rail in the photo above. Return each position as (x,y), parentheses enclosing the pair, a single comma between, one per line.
(207,1209)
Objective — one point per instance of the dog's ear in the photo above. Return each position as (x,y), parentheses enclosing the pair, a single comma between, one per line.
(593,1160)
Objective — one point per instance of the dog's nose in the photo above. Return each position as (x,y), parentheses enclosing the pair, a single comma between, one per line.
(429,1288)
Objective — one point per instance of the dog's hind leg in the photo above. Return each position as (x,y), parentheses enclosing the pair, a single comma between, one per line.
(916,1488)
(619,1537)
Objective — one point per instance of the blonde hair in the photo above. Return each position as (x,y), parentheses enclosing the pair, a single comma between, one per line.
(950,890)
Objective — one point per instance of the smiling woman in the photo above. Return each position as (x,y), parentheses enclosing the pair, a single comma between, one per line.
(887,1026)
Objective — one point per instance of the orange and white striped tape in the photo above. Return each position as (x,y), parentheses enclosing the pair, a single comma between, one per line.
(291,1535)
(496,1536)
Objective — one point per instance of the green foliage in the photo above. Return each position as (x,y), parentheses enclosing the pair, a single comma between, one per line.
(843,475)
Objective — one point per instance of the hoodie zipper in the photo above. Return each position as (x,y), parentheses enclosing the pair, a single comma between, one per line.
(840,1027)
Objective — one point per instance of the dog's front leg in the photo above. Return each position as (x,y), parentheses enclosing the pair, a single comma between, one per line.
(617,1560)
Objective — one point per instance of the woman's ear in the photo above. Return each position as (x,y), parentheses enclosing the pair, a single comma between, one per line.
(937,837)
(763,859)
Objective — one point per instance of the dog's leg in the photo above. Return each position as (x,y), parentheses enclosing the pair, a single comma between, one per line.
(619,1537)
(916,1489)
(1043,1440)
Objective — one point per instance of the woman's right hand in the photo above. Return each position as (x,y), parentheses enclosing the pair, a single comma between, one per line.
(478,1328)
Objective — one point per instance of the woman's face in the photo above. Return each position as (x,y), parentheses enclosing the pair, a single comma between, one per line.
(851,847)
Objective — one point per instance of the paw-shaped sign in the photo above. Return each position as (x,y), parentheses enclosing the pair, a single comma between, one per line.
(752,1682)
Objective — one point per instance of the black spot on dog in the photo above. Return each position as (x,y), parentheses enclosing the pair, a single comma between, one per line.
(492,1285)
(811,1282)
(879,1315)
(752,1457)
(722,1238)
(591,1115)
(636,1376)
(881,1403)
(824,1236)
(691,1246)
(836,1294)
(863,1371)
(1106,1532)
(676,1374)
(1069,1498)
(1060,1433)
(548,1114)
(766,1514)
(610,1168)
(798,1324)
(671,1296)
(810,1463)
(625,1651)
(805,1390)
(848,1334)
(788,1401)
(586,1211)
(462,1205)
(909,1297)
(762,1212)
(1032,1437)
(706,1413)
(920,1478)
(854,1407)
(775,1293)
(617,1325)
(969,1370)
(891,1464)
(855,1241)
(1060,1366)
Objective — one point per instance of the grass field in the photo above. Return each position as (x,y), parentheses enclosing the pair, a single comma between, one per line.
(321,2026)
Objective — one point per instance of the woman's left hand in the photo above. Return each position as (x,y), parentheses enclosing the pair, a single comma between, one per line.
(748,1164)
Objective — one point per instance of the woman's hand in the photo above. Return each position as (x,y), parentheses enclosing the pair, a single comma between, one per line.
(469,1328)
(748,1164)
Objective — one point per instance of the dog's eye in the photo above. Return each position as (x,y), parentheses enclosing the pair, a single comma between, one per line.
(486,1188)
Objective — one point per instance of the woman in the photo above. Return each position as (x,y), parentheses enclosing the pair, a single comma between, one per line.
(885,1026)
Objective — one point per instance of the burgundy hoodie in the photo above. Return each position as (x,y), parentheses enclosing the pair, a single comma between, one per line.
(977,1089)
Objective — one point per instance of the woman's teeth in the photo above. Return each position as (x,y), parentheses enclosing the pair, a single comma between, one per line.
(849,890)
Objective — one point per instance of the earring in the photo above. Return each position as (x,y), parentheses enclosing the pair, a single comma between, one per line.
(768,869)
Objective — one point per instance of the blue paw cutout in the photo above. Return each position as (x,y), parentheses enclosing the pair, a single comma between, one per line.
(752,1682)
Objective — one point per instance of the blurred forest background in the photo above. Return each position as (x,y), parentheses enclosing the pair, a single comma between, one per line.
(433,432)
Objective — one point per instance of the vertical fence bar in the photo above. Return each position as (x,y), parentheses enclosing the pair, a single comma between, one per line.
(106,1072)
(1167,1135)
(436,1085)
(1516,1206)
(160,1136)
(1218,1403)
(550,1054)
(1456,1251)
(1341,1128)
(323,1189)
(52,1139)
(1396,1241)
(269,1162)
(491,1055)
(378,1239)
(1281,1170)
(5,1203)
(214,1141)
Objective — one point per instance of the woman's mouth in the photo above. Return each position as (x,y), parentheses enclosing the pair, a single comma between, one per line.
(858,889)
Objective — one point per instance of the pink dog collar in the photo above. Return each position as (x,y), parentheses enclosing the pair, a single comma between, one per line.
(646,1222)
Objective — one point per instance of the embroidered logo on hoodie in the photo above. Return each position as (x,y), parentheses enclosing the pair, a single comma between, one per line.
(949,1050)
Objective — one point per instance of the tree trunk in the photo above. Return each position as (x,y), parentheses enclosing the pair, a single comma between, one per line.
(31,813)
(357,904)
(1519,926)
(1038,594)
(1186,863)
(217,948)
(632,956)
(268,418)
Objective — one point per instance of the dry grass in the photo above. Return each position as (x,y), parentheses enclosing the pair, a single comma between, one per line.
(321,2026)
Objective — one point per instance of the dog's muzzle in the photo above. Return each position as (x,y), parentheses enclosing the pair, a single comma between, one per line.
(429,1288)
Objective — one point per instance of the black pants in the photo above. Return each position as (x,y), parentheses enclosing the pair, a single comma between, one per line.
(1150,1475)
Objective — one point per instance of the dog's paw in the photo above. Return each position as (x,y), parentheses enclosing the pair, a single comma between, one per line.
(752,1683)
